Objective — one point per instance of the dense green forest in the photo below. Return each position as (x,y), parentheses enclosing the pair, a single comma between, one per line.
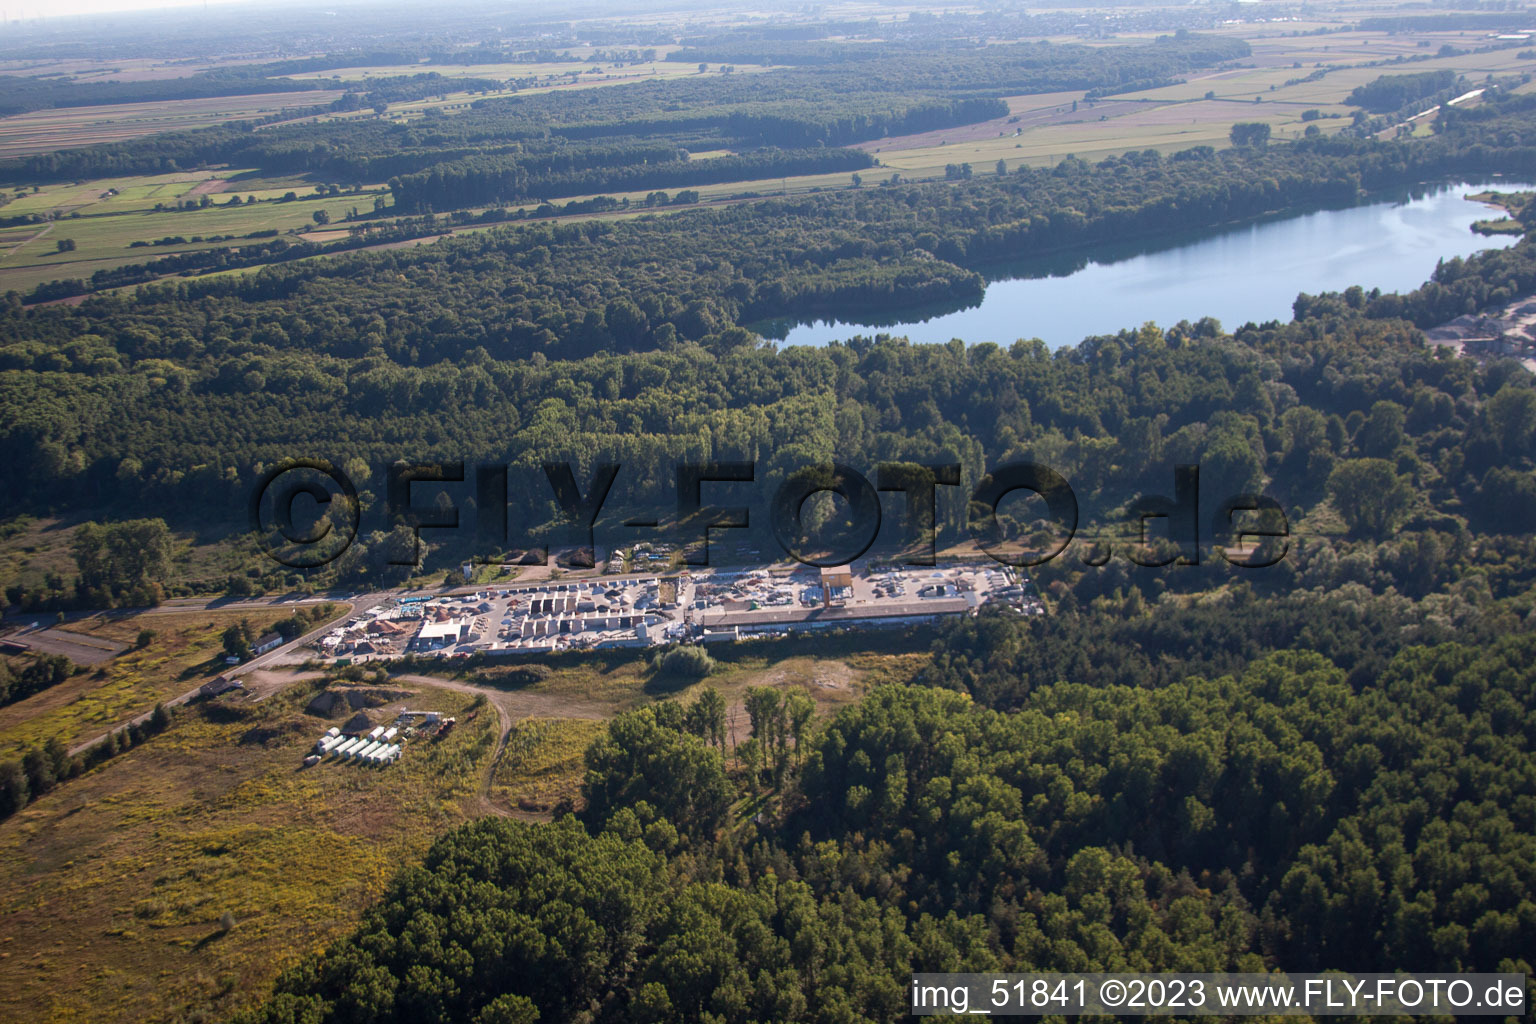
(625,341)
(1276,815)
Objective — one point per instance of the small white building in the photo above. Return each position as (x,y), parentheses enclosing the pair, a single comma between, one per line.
(271,641)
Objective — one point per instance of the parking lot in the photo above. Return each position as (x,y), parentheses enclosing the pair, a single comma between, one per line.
(641,610)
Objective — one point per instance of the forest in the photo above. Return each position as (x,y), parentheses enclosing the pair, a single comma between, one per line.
(1274,814)
(1188,762)
(628,341)
(1393,92)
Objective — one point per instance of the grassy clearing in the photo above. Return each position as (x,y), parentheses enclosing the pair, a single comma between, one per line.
(1512,202)
(542,762)
(542,765)
(118,880)
(30,548)
(612,681)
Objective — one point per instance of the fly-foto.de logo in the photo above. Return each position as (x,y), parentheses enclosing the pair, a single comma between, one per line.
(1247,530)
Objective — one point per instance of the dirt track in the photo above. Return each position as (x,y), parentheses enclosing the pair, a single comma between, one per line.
(512,706)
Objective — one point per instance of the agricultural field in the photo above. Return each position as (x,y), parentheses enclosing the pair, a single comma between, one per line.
(139,69)
(558,712)
(1040,130)
(103,226)
(45,131)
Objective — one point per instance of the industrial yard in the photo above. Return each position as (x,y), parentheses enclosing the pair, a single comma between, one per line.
(642,611)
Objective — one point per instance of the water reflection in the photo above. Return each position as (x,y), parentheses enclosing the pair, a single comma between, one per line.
(1248,273)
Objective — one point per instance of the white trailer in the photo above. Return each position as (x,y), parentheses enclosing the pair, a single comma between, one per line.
(365,751)
(333,731)
(378,731)
(390,734)
(345,750)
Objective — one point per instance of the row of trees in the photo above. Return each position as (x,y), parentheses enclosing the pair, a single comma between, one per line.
(514,179)
(44,766)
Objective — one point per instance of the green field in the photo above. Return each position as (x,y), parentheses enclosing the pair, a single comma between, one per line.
(103,227)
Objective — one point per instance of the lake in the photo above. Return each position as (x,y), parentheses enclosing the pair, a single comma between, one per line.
(1248,273)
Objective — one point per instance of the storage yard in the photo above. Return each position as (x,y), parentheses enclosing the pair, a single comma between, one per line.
(380,745)
(647,610)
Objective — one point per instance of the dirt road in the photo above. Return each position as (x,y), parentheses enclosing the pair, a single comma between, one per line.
(512,706)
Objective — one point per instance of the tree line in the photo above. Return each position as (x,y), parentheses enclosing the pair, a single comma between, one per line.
(513,179)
